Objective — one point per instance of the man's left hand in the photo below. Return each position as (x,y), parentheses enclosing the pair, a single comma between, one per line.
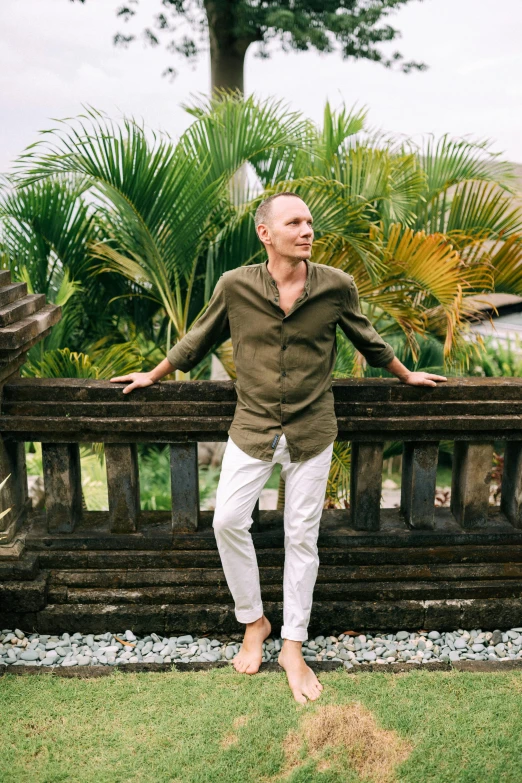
(423,379)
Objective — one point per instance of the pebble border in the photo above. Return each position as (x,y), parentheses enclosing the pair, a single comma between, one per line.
(92,655)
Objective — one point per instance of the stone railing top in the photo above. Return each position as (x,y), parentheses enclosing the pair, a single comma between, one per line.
(345,390)
(72,409)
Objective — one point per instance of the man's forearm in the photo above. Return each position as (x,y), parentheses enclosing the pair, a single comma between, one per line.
(163,368)
(398,369)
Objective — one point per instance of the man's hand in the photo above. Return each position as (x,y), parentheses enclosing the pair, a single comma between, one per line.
(422,379)
(139,380)
(401,372)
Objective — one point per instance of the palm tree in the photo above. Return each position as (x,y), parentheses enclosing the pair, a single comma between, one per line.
(159,203)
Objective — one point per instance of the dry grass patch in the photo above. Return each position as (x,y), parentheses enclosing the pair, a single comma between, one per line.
(41,728)
(232,738)
(333,735)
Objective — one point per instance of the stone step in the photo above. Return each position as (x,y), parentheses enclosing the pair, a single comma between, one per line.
(16,335)
(22,308)
(327,616)
(5,277)
(131,559)
(169,577)
(27,596)
(13,551)
(332,556)
(24,569)
(342,591)
(12,292)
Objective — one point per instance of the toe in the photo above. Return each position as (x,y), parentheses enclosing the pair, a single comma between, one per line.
(312,690)
(299,696)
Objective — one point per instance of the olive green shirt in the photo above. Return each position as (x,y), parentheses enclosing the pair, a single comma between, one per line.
(284,363)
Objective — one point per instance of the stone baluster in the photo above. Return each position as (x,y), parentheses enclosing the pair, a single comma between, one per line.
(184,486)
(365,485)
(511,491)
(63,487)
(419,476)
(471,479)
(123,486)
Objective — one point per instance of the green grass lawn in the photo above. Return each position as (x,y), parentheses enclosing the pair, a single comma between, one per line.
(418,727)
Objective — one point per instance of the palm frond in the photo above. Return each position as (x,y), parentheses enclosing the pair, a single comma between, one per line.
(152,194)
(45,227)
(448,161)
(236,244)
(506,261)
(338,485)
(233,129)
(484,210)
(101,363)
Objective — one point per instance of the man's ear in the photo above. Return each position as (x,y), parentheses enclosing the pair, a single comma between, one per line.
(263,234)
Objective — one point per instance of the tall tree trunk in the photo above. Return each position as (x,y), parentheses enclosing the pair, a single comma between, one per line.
(227,51)
(226,68)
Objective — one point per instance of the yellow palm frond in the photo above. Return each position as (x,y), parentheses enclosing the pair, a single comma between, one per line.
(225,355)
(338,485)
(506,260)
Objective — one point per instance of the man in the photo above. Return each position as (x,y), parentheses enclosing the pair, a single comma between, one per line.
(282,316)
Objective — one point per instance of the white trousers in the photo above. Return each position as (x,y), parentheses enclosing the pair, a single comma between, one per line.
(241,481)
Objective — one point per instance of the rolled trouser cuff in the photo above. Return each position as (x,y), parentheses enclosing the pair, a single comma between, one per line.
(294,634)
(249,615)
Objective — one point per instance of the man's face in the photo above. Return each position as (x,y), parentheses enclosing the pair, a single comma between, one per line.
(289,228)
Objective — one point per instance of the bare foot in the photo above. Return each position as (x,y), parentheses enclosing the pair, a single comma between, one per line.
(301,679)
(248,660)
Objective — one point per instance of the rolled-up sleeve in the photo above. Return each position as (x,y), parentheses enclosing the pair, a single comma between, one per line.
(204,333)
(360,331)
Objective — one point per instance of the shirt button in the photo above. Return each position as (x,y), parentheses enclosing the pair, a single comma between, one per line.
(283,347)
(283,373)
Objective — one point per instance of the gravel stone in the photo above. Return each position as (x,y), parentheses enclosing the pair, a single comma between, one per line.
(30,655)
(20,649)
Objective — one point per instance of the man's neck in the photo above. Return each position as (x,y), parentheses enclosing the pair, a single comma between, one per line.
(287,271)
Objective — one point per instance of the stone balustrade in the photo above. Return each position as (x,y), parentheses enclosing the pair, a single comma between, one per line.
(417,566)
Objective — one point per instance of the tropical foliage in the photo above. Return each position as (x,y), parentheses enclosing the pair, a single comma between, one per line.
(130,231)
(499,358)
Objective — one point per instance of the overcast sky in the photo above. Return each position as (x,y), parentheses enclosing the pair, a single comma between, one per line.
(56,55)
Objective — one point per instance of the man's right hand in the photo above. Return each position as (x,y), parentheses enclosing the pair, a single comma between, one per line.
(138,380)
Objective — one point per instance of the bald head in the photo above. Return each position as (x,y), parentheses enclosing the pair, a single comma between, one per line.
(284,226)
(264,210)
